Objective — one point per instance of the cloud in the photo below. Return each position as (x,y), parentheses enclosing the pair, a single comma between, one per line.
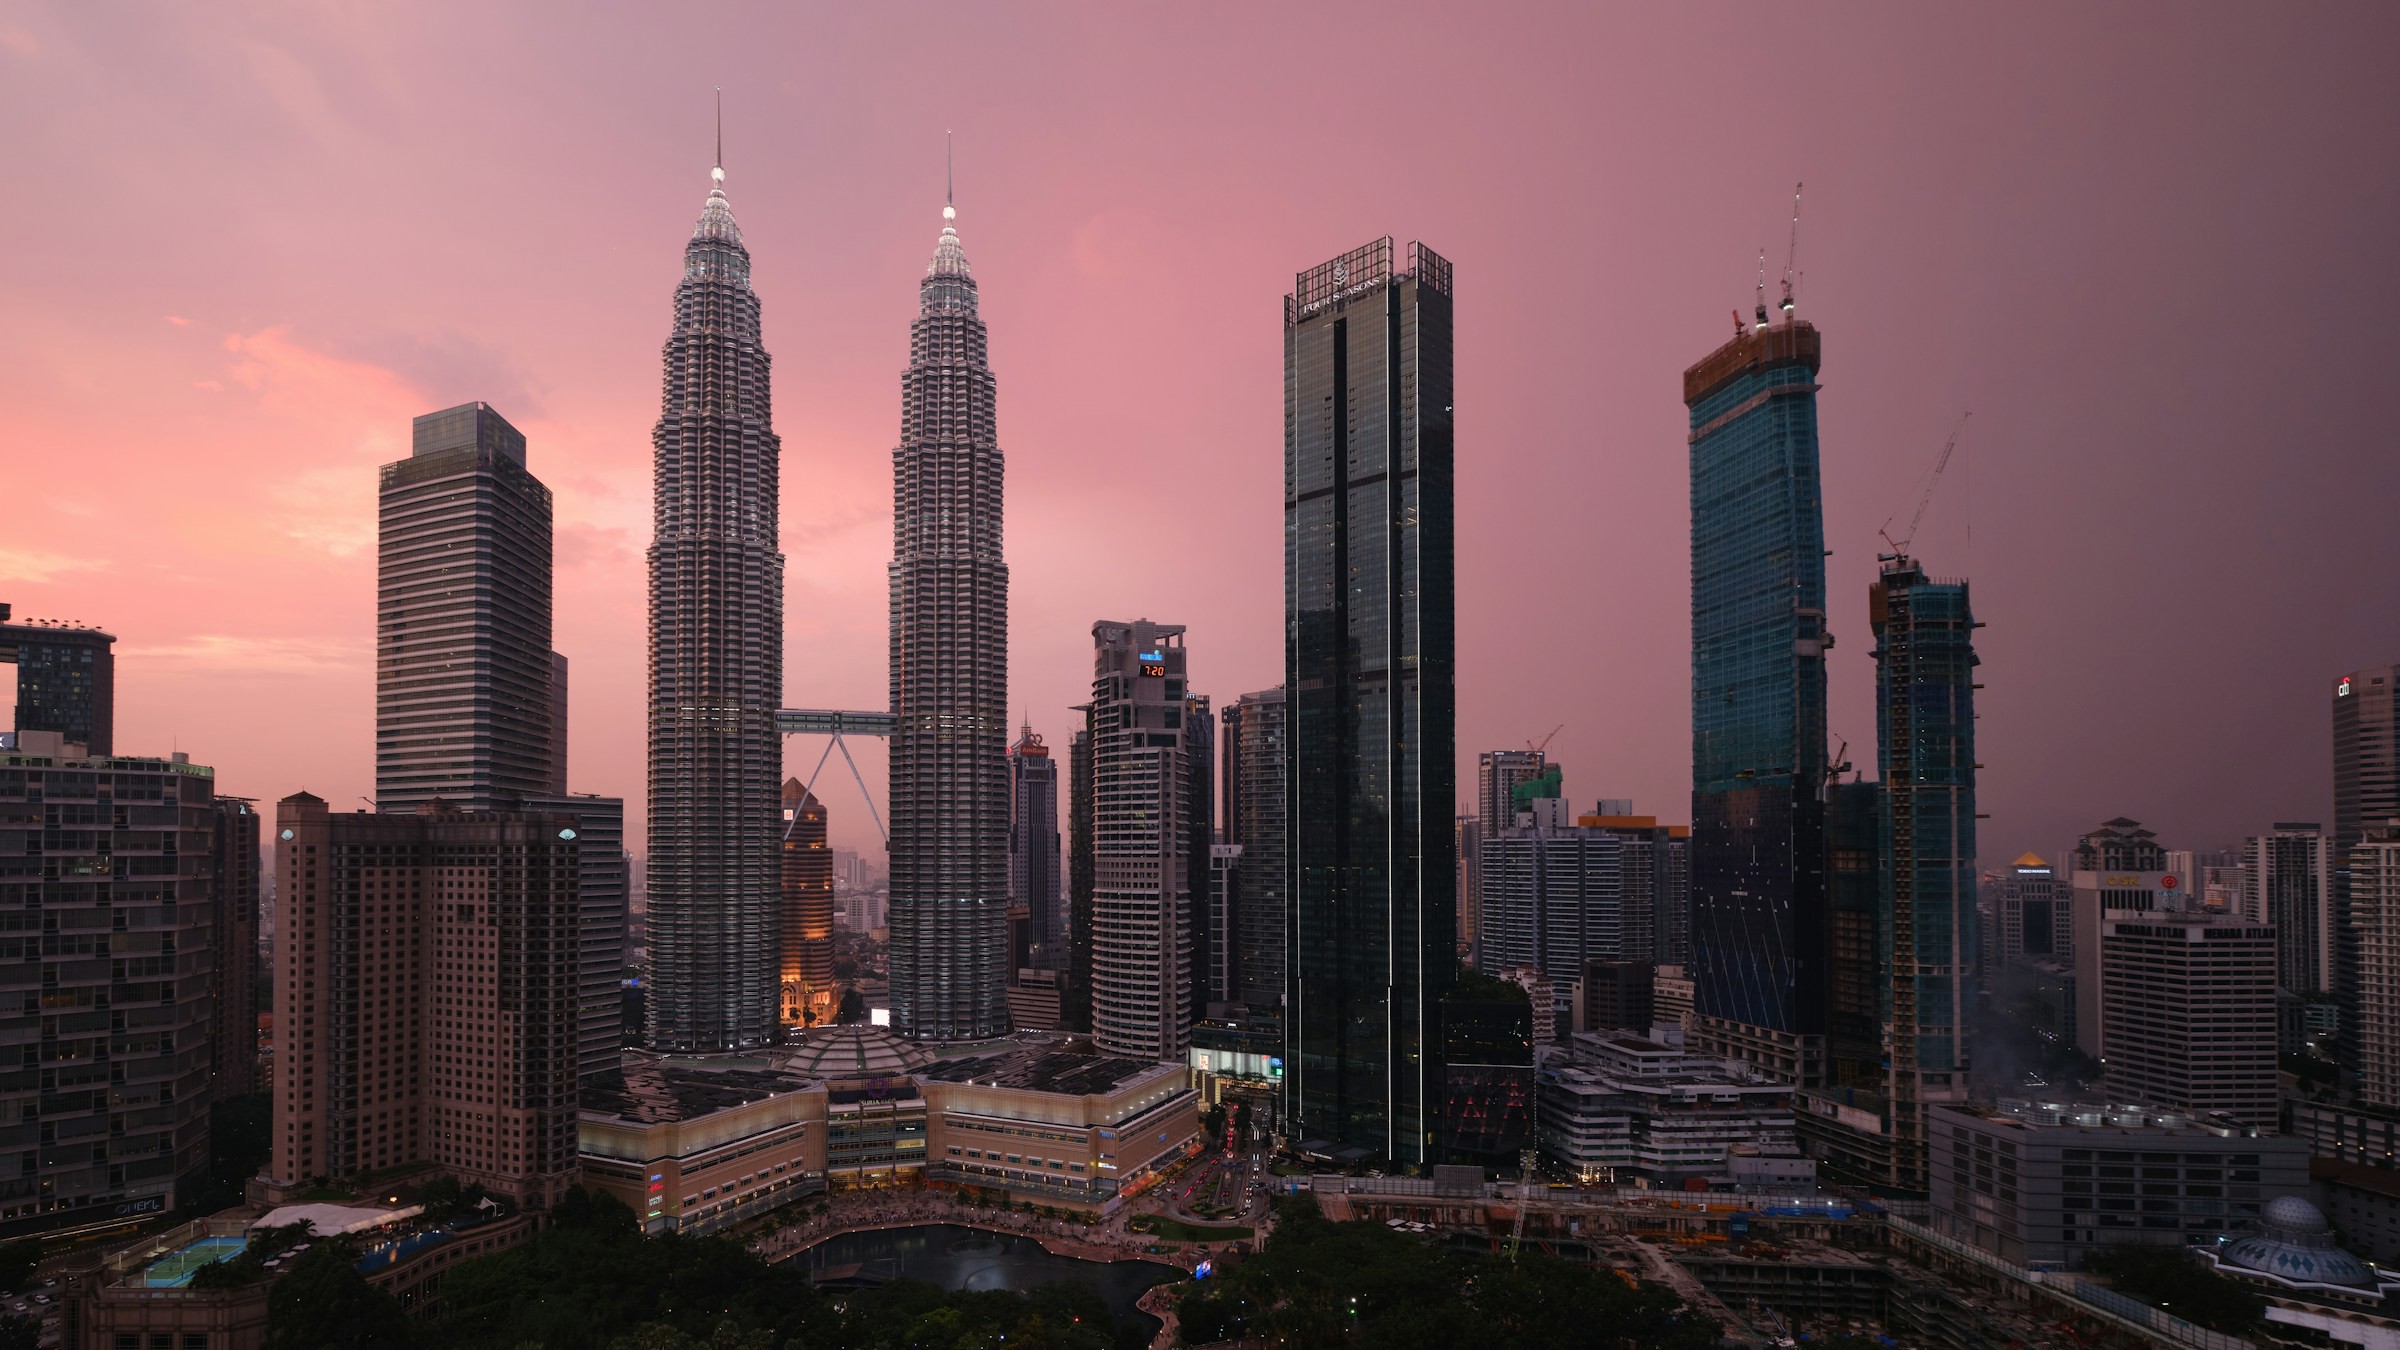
(450,369)
(179,321)
(331,510)
(579,545)
(254,655)
(35,564)
(19,41)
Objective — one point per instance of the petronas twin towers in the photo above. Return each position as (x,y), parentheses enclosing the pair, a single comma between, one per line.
(716,667)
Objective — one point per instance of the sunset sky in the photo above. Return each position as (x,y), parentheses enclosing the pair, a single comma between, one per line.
(2152,247)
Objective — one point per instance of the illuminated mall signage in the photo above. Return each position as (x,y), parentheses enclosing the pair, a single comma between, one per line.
(2341,688)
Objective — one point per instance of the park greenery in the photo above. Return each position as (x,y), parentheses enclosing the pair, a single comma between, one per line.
(591,1281)
(1316,1282)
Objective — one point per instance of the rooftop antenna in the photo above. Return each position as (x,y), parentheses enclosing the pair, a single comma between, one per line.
(1791,258)
(1762,288)
(719,172)
(949,174)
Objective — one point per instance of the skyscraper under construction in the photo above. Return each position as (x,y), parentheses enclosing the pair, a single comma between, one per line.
(949,673)
(716,661)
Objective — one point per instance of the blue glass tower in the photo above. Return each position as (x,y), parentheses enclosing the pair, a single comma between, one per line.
(1759,771)
(1925,753)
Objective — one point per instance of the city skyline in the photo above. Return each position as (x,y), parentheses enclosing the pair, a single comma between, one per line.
(323,393)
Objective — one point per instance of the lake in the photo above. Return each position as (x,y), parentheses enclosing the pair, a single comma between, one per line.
(957,1257)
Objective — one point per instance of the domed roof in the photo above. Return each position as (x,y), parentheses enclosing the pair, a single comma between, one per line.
(2297,1249)
(858,1051)
(2297,1215)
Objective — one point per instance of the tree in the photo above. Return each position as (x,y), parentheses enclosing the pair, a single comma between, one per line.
(322,1301)
(2171,1278)
(17,1262)
(853,1009)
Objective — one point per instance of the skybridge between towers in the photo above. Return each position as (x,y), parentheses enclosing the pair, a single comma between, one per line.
(834,724)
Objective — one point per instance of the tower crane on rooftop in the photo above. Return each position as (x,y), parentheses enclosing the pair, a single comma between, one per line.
(1545,745)
(1925,499)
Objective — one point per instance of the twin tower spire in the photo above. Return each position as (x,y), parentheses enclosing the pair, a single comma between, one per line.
(949,257)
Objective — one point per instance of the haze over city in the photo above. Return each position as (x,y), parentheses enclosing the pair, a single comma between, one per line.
(2147,247)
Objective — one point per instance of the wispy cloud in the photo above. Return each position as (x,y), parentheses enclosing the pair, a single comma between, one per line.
(38,564)
(179,321)
(254,655)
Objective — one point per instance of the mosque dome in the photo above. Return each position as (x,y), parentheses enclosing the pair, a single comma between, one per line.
(2297,1248)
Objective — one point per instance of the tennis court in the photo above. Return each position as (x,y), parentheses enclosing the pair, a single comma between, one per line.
(175,1270)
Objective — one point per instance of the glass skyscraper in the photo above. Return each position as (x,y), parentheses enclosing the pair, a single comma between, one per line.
(1034,881)
(949,675)
(716,662)
(1925,754)
(1370,787)
(1758,701)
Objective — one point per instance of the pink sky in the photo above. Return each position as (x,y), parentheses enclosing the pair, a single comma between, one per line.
(2150,246)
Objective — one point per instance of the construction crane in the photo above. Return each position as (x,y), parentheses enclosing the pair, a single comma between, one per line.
(1791,257)
(1537,749)
(1762,290)
(1925,499)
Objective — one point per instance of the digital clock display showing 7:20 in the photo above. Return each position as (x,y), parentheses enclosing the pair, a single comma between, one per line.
(1155,669)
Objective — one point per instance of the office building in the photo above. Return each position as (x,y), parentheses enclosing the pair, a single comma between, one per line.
(1759,923)
(2187,1011)
(2288,876)
(2366,754)
(1487,1100)
(1142,905)
(1672,996)
(1076,1009)
(949,678)
(1035,883)
(1220,982)
(2119,867)
(1555,898)
(2032,913)
(716,661)
(1618,1108)
(1657,873)
(603,942)
(233,1037)
(463,666)
(1251,730)
(109,960)
(1468,830)
(428,1009)
(1497,773)
(805,963)
(1200,836)
(2374,868)
(1616,996)
(1925,751)
(1858,986)
(2044,1184)
(1369,672)
(66,680)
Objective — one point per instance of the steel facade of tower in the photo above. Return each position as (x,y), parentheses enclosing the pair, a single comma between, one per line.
(463,666)
(66,681)
(1034,882)
(949,674)
(716,662)
(1925,752)
(1758,700)
(1369,638)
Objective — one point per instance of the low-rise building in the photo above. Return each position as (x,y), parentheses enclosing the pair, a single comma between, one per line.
(1621,1108)
(2043,1183)
(693,1145)
(1051,1127)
